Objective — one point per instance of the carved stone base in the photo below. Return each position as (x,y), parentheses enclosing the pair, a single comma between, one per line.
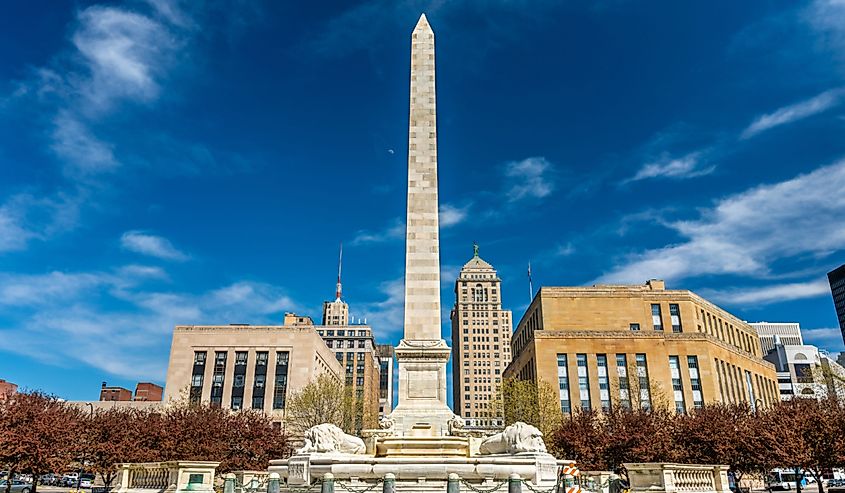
(422,408)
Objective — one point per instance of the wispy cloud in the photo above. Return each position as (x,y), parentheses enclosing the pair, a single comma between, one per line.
(387,315)
(794,112)
(688,166)
(529,178)
(152,245)
(744,233)
(25,217)
(773,293)
(451,215)
(825,337)
(393,231)
(76,312)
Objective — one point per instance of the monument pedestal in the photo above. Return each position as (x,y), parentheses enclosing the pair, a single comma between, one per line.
(422,409)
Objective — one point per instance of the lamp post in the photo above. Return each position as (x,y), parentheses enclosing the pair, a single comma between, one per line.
(82,464)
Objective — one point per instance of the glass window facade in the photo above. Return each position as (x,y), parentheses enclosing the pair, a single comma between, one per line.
(280,385)
(583,381)
(677,384)
(624,383)
(656,316)
(675,314)
(695,382)
(563,383)
(604,383)
(643,381)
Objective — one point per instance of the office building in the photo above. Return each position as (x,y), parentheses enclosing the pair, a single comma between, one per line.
(836,278)
(114,393)
(481,332)
(770,333)
(246,366)
(639,346)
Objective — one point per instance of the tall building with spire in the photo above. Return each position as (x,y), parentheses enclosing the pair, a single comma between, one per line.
(337,312)
(481,339)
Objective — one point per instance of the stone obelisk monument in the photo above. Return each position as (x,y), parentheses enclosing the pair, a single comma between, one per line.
(422,353)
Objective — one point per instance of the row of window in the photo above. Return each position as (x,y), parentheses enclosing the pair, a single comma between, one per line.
(727,332)
(218,376)
(633,383)
(737,385)
(340,343)
(343,333)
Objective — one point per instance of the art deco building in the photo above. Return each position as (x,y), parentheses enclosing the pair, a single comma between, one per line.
(246,366)
(481,338)
(639,346)
(836,277)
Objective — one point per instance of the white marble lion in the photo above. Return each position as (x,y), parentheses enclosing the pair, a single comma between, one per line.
(328,438)
(516,438)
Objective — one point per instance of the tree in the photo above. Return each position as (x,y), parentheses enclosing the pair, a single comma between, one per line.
(582,437)
(727,434)
(536,404)
(813,431)
(38,434)
(114,436)
(324,400)
(638,435)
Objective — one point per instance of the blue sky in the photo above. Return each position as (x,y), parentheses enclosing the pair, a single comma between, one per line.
(166,162)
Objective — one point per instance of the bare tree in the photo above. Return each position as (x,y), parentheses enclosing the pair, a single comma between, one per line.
(325,400)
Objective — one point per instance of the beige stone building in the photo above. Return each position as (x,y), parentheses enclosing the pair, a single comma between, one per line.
(644,345)
(246,366)
(481,345)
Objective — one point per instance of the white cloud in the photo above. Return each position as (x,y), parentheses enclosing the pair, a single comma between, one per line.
(828,19)
(795,112)
(825,338)
(152,245)
(529,178)
(25,217)
(113,322)
(394,231)
(688,166)
(387,316)
(774,293)
(451,215)
(84,153)
(744,233)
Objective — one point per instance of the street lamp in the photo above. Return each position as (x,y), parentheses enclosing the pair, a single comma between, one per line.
(82,464)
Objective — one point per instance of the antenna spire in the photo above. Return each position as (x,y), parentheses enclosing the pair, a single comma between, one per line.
(339,290)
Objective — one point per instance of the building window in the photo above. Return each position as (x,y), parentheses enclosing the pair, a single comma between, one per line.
(563,383)
(197,375)
(803,373)
(675,313)
(677,384)
(634,326)
(237,402)
(240,358)
(624,384)
(583,381)
(280,387)
(604,384)
(217,378)
(656,316)
(695,382)
(260,378)
(643,382)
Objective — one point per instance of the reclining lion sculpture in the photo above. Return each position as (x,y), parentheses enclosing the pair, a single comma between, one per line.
(328,438)
(516,438)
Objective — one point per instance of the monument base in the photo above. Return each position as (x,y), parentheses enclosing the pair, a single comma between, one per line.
(422,409)
(415,474)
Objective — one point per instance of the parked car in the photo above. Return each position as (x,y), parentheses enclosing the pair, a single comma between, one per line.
(86,480)
(17,486)
(836,485)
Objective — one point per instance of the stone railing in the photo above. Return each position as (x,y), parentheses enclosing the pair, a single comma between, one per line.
(677,478)
(167,477)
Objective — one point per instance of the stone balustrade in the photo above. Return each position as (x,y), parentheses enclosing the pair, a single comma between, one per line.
(677,478)
(167,477)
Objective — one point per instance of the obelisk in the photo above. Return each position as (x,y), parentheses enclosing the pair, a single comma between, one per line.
(422,353)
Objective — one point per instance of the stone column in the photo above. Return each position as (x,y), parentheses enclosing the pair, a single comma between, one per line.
(422,354)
